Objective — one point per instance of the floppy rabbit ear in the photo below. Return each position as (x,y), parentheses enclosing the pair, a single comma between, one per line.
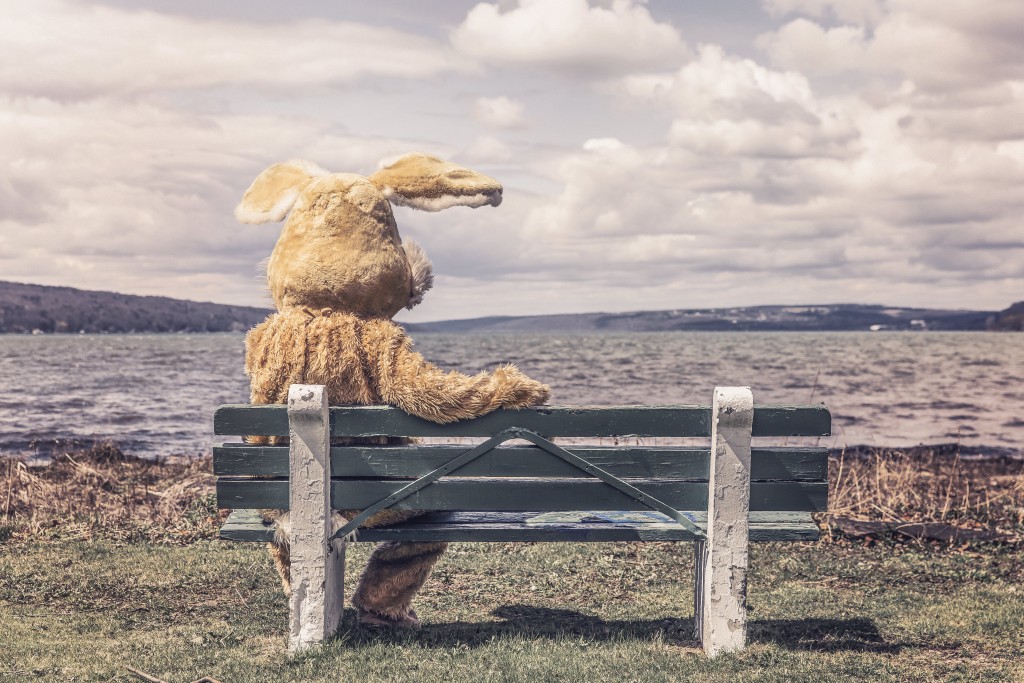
(274,191)
(427,183)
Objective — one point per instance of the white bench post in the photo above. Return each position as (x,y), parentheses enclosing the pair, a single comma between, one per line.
(317,564)
(721,562)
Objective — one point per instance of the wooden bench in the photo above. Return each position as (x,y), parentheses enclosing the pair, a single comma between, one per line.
(532,489)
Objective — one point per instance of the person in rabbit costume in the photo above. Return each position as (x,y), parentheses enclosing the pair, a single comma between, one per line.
(337,275)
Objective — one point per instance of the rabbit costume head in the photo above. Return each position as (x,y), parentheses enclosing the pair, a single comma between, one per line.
(340,248)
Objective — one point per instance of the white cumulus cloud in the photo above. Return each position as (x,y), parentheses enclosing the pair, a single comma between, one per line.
(728,105)
(499,112)
(854,11)
(809,46)
(569,36)
(941,47)
(57,48)
(814,188)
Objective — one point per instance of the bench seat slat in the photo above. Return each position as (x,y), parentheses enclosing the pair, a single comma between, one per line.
(518,494)
(246,525)
(619,516)
(655,531)
(682,421)
(674,462)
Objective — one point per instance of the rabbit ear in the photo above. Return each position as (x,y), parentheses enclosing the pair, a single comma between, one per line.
(274,191)
(427,183)
(422,272)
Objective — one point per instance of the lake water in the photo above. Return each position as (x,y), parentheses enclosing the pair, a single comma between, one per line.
(155,394)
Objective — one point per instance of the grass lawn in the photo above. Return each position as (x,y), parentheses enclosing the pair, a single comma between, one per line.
(85,610)
(106,563)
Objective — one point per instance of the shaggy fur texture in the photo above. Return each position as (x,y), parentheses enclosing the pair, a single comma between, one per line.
(422,272)
(371,362)
(272,194)
(393,576)
(427,183)
(337,274)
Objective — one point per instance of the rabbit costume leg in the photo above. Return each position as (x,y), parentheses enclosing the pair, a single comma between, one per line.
(394,574)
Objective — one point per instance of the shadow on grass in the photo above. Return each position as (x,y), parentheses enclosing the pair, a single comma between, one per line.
(822,635)
(527,621)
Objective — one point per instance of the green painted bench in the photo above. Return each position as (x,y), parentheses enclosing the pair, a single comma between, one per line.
(524,482)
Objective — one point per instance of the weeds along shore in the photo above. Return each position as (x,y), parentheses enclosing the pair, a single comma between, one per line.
(904,494)
(103,492)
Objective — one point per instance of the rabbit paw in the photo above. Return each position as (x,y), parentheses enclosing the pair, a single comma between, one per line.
(520,390)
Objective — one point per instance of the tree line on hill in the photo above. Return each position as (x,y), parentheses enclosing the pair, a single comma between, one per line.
(815,318)
(43,309)
(1010,320)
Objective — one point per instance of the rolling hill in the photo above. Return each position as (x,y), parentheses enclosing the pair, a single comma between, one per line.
(43,309)
(28,308)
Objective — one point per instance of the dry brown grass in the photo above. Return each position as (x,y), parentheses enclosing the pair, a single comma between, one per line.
(102,491)
(928,486)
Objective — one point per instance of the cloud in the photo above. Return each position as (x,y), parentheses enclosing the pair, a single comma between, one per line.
(569,36)
(75,49)
(499,112)
(853,11)
(806,45)
(732,106)
(821,193)
(810,229)
(486,149)
(137,197)
(715,84)
(939,47)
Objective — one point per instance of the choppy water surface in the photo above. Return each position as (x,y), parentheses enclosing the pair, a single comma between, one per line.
(155,394)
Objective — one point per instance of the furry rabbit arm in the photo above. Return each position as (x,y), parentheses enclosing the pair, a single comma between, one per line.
(406,380)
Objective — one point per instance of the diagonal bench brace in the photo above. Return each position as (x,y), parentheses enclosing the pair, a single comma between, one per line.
(539,441)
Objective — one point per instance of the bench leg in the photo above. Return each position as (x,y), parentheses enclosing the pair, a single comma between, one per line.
(699,559)
(722,607)
(317,564)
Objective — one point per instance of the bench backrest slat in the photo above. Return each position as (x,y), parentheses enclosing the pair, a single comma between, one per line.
(668,462)
(662,421)
(514,476)
(524,494)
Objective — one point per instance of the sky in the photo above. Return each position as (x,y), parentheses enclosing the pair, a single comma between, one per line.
(658,155)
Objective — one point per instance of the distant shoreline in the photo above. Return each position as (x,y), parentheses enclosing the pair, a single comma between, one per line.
(804,318)
(41,309)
